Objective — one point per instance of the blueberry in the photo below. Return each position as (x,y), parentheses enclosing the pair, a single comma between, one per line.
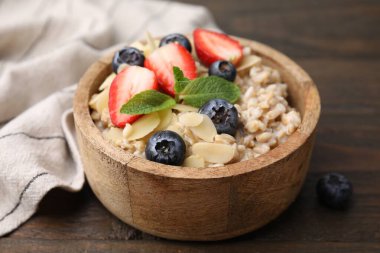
(223,69)
(176,38)
(130,56)
(223,114)
(334,190)
(166,147)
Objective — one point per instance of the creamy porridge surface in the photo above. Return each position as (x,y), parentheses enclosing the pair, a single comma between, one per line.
(265,119)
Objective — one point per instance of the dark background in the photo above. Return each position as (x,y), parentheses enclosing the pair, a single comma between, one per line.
(338,44)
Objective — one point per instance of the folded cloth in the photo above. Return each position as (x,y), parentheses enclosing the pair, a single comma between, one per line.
(45,47)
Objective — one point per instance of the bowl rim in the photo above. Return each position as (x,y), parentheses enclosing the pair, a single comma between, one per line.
(85,124)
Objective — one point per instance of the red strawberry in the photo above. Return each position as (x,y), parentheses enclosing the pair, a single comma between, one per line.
(162,61)
(213,46)
(130,81)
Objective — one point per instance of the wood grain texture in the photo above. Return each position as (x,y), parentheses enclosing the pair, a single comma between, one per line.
(337,43)
(97,246)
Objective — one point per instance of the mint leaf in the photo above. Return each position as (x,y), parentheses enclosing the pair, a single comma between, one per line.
(146,102)
(180,80)
(198,91)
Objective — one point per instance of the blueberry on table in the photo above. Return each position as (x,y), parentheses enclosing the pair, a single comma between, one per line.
(130,56)
(223,69)
(334,190)
(166,147)
(176,38)
(223,114)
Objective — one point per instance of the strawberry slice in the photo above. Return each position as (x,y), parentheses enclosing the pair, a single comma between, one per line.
(213,46)
(130,81)
(162,61)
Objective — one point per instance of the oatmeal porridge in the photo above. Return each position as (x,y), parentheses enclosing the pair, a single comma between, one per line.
(245,115)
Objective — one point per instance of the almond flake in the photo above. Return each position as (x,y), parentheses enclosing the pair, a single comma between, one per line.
(175,128)
(184,108)
(145,48)
(174,119)
(194,161)
(206,130)
(122,67)
(99,102)
(165,119)
(93,100)
(247,50)
(143,126)
(151,45)
(201,68)
(190,119)
(205,74)
(127,130)
(224,138)
(214,152)
(107,82)
(247,62)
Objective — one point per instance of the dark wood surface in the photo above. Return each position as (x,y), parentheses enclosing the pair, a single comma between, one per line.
(338,43)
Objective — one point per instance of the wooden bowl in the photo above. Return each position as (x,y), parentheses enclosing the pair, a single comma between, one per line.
(199,204)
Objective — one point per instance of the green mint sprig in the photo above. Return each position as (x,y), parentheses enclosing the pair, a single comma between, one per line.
(200,90)
(192,92)
(146,102)
(180,80)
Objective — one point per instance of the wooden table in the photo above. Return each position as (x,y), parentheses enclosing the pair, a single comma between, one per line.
(338,43)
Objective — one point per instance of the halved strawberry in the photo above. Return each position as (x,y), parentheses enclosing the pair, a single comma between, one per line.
(213,46)
(162,61)
(127,83)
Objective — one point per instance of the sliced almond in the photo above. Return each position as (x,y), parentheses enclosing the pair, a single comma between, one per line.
(143,126)
(114,134)
(206,130)
(95,115)
(93,100)
(107,82)
(174,119)
(148,50)
(224,138)
(247,50)
(127,130)
(214,152)
(189,137)
(194,161)
(165,119)
(99,102)
(145,48)
(247,62)
(122,67)
(102,102)
(174,125)
(151,45)
(201,68)
(205,74)
(184,108)
(190,119)
(175,128)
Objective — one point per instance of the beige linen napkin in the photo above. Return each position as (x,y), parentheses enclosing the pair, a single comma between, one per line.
(45,47)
